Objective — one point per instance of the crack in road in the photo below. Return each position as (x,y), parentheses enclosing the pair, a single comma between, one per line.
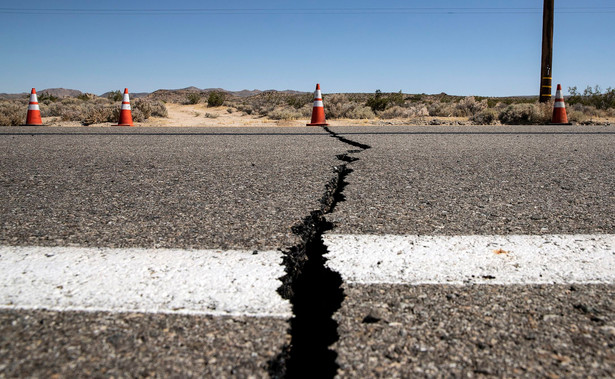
(312,288)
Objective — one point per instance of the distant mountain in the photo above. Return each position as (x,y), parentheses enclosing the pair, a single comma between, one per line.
(161,94)
(133,95)
(247,93)
(13,96)
(60,92)
(56,92)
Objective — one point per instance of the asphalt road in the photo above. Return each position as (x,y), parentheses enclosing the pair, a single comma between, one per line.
(245,188)
(479,181)
(168,187)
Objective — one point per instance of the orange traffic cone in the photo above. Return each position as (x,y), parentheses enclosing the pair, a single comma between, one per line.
(125,111)
(559,108)
(318,111)
(34,112)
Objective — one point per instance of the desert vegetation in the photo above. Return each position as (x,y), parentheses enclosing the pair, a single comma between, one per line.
(427,109)
(591,106)
(87,109)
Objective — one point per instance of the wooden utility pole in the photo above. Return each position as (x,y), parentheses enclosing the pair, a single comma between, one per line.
(547,52)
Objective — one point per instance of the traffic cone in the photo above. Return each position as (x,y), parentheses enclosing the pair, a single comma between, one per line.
(34,112)
(125,112)
(318,111)
(559,109)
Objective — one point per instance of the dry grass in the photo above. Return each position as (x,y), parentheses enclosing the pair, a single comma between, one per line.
(12,113)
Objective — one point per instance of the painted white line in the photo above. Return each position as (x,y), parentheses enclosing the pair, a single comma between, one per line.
(549,259)
(211,282)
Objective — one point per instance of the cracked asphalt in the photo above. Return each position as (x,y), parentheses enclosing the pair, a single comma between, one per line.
(467,181)
(244,188)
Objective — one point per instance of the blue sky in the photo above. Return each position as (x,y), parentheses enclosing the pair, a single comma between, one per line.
(462,48)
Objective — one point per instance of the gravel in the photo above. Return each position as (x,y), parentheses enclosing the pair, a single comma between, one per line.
(401,331)
(77,344)
(481,180)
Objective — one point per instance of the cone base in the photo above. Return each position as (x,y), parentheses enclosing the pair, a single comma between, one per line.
(560,123)
(123,125)
(316,124)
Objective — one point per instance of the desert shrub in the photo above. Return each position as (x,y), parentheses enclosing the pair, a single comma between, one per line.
(468,106)
(284,113)
(73,101)
(338,110)
(396,112)
(216,99)
(115,96)
(545,111)
(485,117)
(378,102)
(421,111)
(578,115)
(337,98)
(71,114)
(396,98)
(245,109)
(68,109)
(193,98)
(211,115)
(86,97)
(306,111)
(137,116)
(417,98)
(298,101)
(521,114)
(158,109)
(588,110)
(439,109)
(443,97)
(144,106)
(418,110)
(360,112)
(44,96)
(52,109)
(99,114)
(12,114)
(491,101)
(150,108)
(593,96)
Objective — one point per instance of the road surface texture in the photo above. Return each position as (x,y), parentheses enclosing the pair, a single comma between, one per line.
(313,211)
(479,181)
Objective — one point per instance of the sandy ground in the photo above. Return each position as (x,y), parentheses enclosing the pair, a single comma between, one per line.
(201,115)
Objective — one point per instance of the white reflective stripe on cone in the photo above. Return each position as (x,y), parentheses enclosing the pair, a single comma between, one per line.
(33,98)
(125,106)
(33,107)
(318,103)
(317,94)
(559,104)
(126,98)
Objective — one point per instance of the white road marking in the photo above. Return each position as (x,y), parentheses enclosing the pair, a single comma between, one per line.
(548,259)
(211,282)
(215,282)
